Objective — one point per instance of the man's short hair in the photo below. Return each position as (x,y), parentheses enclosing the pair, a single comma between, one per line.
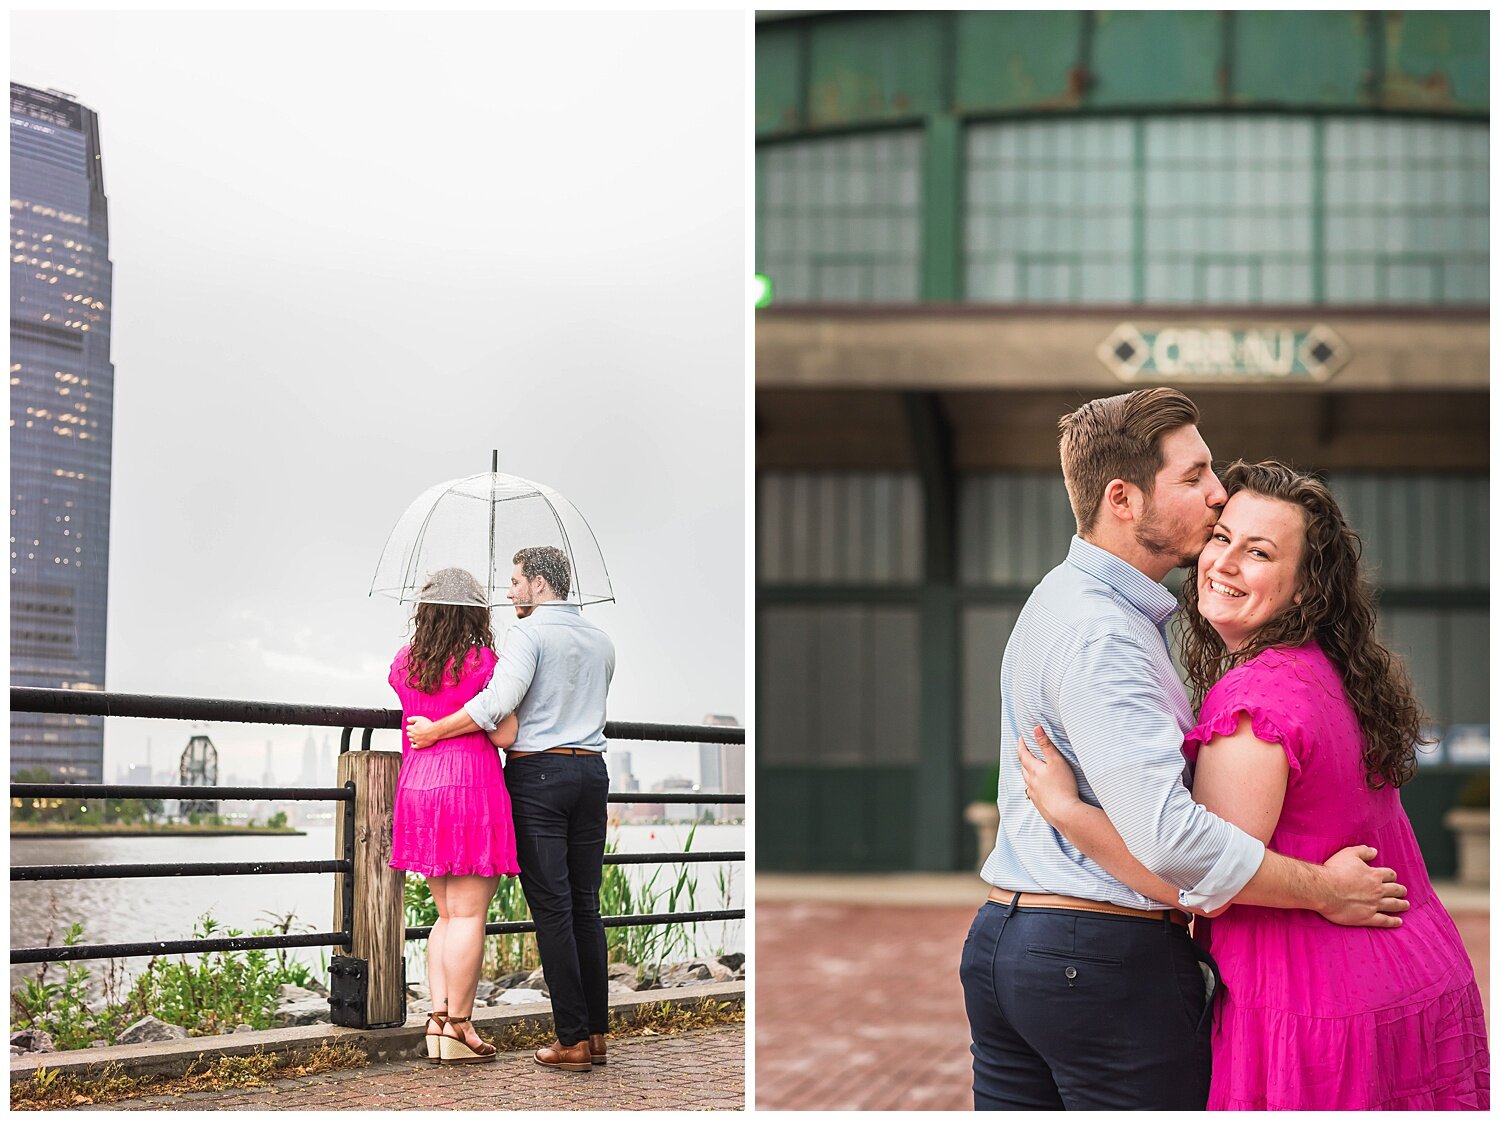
(548,562)
(1117,438)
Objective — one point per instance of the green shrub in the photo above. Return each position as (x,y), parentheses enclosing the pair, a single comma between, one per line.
(62,1007)
(205,993)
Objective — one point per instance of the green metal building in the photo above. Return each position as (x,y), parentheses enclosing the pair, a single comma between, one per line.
(975,221)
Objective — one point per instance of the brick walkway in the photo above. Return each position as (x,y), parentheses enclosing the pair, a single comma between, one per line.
(703,1069)
(860,1007)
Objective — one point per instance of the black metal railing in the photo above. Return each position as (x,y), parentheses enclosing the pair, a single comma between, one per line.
(143,706)
(30,955)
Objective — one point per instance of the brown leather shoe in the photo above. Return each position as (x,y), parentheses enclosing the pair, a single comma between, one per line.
(598,1049)
(576,1057)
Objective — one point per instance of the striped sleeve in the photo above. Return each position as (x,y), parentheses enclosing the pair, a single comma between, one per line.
(1129,748)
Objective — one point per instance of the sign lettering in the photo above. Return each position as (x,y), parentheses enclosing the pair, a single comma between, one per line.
(1272,352)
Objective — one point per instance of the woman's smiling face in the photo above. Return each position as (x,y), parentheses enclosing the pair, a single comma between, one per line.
(1247,573)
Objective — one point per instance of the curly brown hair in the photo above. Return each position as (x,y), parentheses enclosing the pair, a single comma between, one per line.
(445,633)
(1336,611)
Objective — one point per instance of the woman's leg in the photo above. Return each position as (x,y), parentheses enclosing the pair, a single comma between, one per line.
(468,902)
(437,983)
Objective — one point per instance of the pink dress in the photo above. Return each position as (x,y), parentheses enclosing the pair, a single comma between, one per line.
(452,814)
(1318,1016)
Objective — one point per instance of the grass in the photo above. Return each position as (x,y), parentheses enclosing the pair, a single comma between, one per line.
(47,1089)
(645,947)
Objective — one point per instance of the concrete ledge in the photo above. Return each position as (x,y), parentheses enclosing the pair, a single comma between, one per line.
(172,1059)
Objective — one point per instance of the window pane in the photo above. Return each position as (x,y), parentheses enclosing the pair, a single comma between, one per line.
(839,219)
(1408,211)
(1053,204)
(1228,214)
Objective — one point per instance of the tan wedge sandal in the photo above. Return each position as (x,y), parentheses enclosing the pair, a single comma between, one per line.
(431,1037)
(451,1049)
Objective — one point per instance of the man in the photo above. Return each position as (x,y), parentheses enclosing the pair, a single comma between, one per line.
(554,674)
(1082,993)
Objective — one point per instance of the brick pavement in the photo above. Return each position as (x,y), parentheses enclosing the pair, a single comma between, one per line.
(860,1007)
(701,1069)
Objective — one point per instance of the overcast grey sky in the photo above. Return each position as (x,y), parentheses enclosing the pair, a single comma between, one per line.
(353,252)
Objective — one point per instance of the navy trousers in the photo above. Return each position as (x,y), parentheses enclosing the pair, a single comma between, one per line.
(559,804)
(1077,1010)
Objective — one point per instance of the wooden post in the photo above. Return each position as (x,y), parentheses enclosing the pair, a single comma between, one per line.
(379,917)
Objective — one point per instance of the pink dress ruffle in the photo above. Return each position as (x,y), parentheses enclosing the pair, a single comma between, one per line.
(1319,1016)
(452,815)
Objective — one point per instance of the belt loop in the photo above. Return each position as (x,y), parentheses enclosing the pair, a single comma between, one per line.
(1014,903)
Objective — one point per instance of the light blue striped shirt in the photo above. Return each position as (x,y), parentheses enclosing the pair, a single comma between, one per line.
(1088,661)
(553,673)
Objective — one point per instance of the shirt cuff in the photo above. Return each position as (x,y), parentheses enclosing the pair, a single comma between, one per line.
(1235,868)
(479,715)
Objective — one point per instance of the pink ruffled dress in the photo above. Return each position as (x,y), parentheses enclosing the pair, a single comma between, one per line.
(452,814)
(1318,1016)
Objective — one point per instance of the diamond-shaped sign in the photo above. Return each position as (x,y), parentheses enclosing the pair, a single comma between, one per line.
(1262,352)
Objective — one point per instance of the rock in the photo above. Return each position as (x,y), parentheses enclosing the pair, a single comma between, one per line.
(299,1012)
(534,981)
(511,980)
(15,1051)
(148,1029)
(718,970)
(99,1043)
(618,986)
(485,990)
(733,962)
(521,996)
(318,987)
(32,1041)
(418,1007)
(241,1029)
(695,972)
(623,974)
(288,993)
(683,973)
(416,991)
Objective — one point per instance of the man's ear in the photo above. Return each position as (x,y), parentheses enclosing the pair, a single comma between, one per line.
(1122,501)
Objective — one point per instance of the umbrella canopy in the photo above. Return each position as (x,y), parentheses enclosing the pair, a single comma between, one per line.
(478,524)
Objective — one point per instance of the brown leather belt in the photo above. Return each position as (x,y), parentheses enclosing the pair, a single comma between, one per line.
(1033,900)
(511,753)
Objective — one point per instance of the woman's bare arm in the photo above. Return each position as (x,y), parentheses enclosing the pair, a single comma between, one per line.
(1241,779)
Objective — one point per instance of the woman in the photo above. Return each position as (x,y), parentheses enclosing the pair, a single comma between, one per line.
(452,816)
(1307,727)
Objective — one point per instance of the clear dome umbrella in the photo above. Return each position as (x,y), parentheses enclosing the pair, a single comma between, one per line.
(478,524)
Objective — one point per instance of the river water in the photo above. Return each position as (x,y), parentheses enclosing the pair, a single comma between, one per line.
(140,910)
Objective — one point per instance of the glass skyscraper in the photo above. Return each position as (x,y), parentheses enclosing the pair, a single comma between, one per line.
(61,407)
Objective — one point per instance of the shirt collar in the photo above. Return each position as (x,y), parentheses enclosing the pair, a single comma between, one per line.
(557,605)
(1151,599)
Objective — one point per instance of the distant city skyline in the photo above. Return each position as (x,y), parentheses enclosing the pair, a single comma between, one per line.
(286,760)
(338,289)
